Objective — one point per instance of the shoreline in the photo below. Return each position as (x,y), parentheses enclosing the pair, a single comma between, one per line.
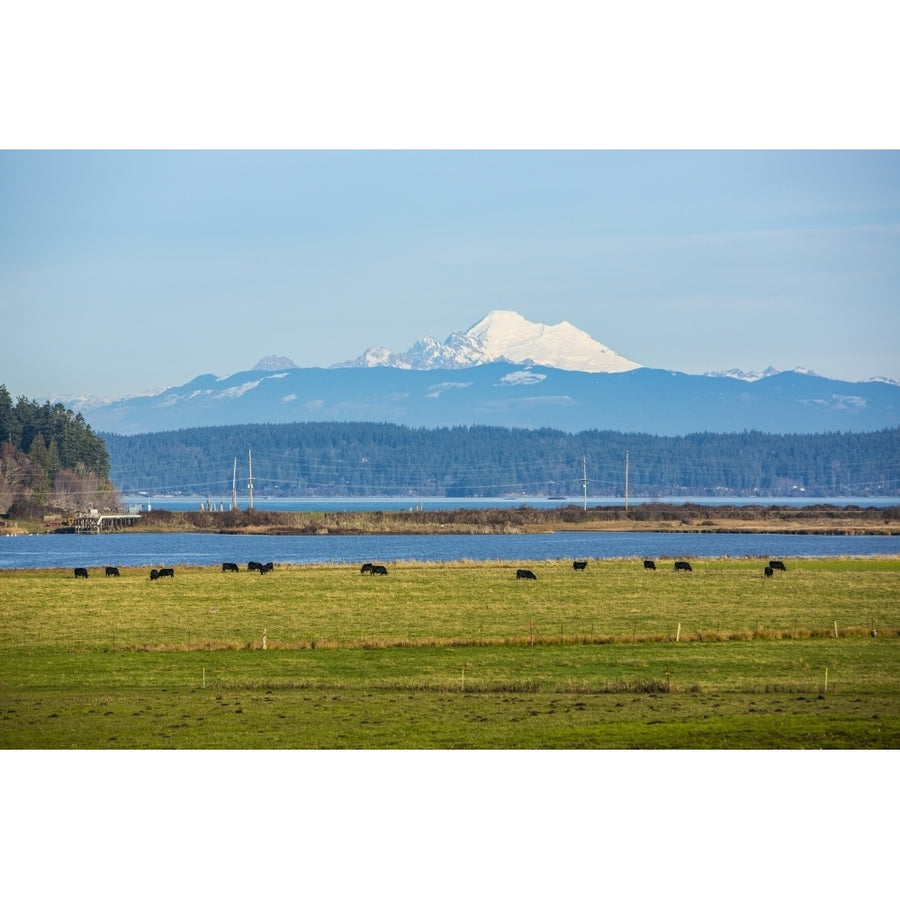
(681,518)
(693,518)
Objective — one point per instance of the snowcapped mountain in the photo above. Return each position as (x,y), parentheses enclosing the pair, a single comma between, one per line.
(503,336)
(518,374)
(741,375)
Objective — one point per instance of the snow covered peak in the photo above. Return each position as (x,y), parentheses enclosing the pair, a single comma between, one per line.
(505,336)
(741,375)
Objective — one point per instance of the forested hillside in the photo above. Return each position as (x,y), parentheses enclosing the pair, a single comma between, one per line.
(366,459)
(49,459)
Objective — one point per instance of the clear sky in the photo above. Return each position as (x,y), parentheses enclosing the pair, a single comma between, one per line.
(123,271)
(137,267)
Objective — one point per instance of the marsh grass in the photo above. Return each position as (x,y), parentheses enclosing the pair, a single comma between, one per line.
(443,655)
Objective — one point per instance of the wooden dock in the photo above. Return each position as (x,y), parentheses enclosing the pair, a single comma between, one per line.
(96,522)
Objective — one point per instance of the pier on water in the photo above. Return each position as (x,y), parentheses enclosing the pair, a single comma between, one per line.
(96,522)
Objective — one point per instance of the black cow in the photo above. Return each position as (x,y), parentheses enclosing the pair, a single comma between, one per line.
(253,566)
(154,574)
(768,571)
(266,567)
(682,566)
(230,567)
(777,564)
(579,565)
(81,573)
(649,564)
(166,573)
(379,570)
(112,570)
(366,569)
(526,573)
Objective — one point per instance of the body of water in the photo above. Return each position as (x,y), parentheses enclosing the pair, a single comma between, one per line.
(67,551)
(141,503)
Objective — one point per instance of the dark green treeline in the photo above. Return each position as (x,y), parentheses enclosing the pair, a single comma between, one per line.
(370,459)
(51,435)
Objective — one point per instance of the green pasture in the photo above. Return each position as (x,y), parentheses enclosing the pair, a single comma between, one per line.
(455,655)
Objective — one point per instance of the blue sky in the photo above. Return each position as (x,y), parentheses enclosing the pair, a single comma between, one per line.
(123,271)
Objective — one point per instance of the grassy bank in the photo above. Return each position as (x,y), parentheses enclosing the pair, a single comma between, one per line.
(455,655)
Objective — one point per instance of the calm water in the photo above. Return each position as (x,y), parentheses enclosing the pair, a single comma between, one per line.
(350,504)
(155,550)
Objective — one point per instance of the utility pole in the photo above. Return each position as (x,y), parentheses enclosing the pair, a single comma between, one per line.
(250,485)
(234,486)
(626,480)
(584,478)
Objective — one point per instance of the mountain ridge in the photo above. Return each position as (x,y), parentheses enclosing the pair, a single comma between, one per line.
(490,374)
(654,401)
(500,336)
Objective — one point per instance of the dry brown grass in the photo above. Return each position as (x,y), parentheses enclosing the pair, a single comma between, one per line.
(688,517)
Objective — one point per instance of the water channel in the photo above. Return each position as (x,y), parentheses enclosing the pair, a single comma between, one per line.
(67,551)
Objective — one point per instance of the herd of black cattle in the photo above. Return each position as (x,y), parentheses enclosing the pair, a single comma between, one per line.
(579,565)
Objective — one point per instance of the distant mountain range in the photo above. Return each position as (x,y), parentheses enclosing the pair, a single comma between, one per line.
(510,372)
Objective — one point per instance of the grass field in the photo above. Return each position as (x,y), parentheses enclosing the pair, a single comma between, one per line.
(458,655)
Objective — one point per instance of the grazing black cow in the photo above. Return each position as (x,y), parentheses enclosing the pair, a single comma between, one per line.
(81,573)
(579,565)
(366,569)
(682,566)
(526,573)
(777,564)
(154,574)
(230,567)
(266,567)
(649,564)
(379,570)
(166,573)
(768,571)
(253,566)
(112,570)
